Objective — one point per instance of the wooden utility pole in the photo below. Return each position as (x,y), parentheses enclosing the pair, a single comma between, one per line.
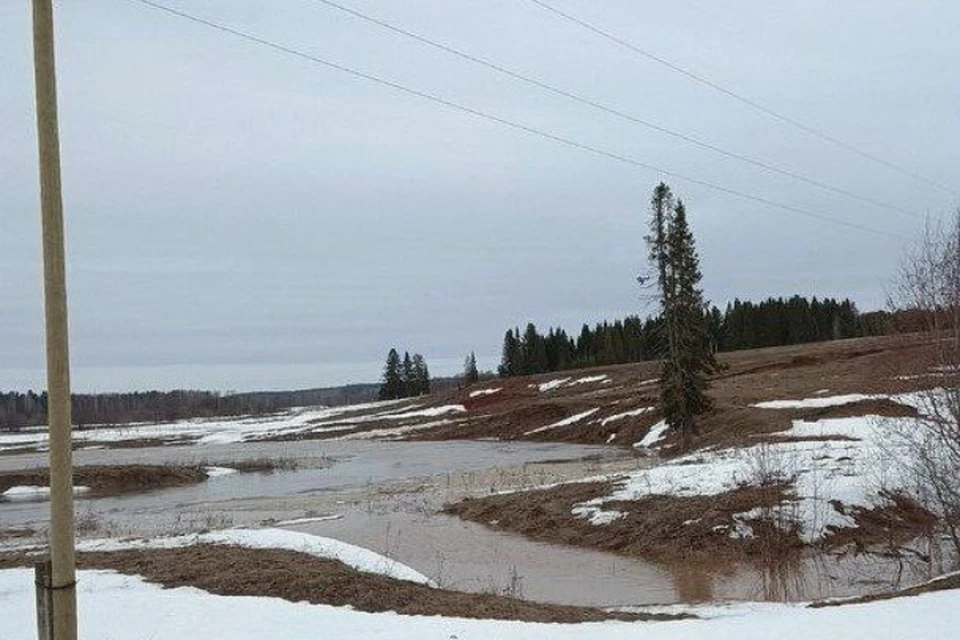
(62,580)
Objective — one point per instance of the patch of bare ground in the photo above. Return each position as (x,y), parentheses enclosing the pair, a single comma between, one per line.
(661,528)
(298,577)
(898,520)
(873,407)
(260,465)
(886,365)
(709,531)
(112,480)
(9,533)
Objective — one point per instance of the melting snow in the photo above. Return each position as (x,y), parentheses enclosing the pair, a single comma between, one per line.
(217,472)
(296,521)
(432,412)
(626,414)
(657,433)
(123,607)
(553,384)
(588,380)
(566,422)
(485,392)
(32,492)
(816,403)
(843,467)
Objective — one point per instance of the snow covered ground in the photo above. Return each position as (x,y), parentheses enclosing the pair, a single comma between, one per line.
(120,607)
(239,429)
(844,459)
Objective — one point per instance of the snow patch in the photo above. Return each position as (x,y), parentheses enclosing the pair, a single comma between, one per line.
(553,384)
(841,467)
(218,472)
(626,414)
(295,521)
(816,403)
(588,380)
(566,422)
(598,517)
(485,392)
(656,434)
(33,492)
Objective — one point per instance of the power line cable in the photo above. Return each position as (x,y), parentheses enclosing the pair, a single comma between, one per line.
(503,121)
(613,111)
(745,100)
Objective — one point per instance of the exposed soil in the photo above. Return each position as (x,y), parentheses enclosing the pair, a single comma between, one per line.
(875,407)
(700,529)
(885,365)
(660,528)
(263,465)
(297,577)
(895,522)
(107,480)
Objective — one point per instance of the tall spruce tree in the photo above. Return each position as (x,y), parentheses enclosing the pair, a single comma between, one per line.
(420,376)
(511,361)
(408,382)
(687,355)
(470,372)
(391,385)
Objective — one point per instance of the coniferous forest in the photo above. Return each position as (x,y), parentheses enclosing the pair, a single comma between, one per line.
(404,378)
(742,325)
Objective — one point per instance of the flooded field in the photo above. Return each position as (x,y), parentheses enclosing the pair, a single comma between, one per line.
(386,496)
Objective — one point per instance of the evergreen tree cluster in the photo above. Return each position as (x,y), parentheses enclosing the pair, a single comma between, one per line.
(779,321)
(743,325)
(406,378)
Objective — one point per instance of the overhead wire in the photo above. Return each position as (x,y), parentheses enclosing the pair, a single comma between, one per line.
(503,121)
(753,104)
(613,111)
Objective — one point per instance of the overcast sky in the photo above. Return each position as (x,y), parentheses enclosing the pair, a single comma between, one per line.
(238,218)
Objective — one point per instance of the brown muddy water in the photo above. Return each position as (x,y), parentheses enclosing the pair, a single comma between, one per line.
(386,496)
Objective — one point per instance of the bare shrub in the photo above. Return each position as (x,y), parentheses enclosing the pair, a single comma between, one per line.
(928,288)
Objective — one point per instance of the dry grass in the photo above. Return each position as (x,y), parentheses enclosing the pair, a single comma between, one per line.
(112,480)
(297,577)
(659,528)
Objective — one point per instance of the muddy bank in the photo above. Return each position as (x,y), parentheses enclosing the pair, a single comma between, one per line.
(737,526)
(297,577)
(660,528)
(111,480)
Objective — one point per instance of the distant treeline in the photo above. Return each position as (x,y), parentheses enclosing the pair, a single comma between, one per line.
(743,325)
(29,409)
(18,410)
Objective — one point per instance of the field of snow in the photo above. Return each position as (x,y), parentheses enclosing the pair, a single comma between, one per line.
(843,459)
(240,429)
(120,607)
